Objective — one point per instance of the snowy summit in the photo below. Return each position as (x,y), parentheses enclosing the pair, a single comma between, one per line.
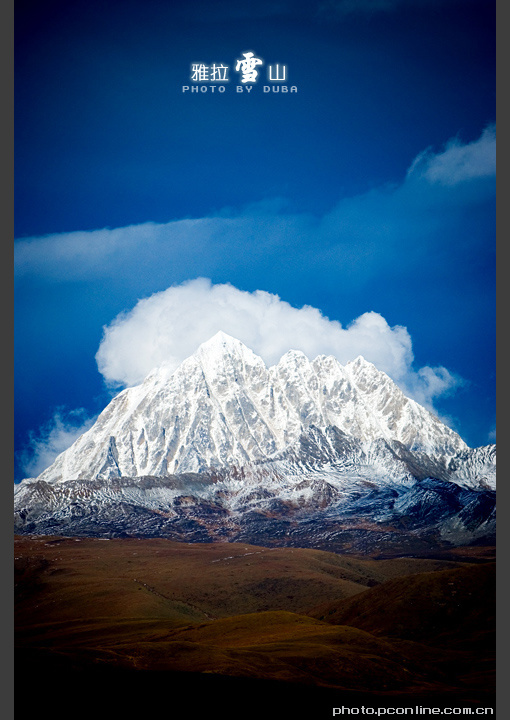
(222,406)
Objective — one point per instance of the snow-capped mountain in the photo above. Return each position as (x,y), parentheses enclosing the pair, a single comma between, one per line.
(224,443)
(224,407)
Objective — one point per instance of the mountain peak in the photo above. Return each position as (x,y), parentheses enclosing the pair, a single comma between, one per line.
(360,362)
(222,344)
(298,355)
(221,339)
(364,368)
(224,353)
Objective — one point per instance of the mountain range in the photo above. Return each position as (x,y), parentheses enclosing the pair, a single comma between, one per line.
(305,453)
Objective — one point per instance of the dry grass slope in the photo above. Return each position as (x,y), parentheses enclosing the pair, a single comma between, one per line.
(399,628)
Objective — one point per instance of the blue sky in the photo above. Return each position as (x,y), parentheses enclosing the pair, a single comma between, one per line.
(368,195)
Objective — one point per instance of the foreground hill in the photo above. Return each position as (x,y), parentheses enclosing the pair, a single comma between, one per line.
(440,608)
(60,578)
(133,617)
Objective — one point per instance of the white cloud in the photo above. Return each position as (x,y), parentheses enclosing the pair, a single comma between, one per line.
(458,162)
(77,255)
(169,326)
(356,237)
(55,437)
(436,382)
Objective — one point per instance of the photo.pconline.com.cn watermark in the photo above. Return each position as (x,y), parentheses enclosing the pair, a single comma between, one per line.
(417,710)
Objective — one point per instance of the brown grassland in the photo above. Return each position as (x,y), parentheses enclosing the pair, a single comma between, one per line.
(285,630)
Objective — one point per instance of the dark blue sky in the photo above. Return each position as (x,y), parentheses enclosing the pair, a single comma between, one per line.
(318,183)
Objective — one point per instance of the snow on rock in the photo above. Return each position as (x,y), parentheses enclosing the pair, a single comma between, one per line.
(223,407)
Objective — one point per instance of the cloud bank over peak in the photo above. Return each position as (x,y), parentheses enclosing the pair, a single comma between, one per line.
(168,326)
